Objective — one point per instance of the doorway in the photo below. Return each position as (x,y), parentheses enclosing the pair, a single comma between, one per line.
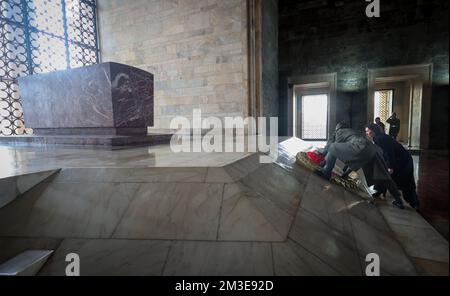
(411,100)
(390,97)
(313,121)
(312,106)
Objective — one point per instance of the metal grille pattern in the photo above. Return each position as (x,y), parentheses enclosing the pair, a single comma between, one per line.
(314,117)
(314,131)
(383,104)
(39,36)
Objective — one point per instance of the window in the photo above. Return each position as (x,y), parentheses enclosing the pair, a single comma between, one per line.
(39,36)
(314,115)
(383,104)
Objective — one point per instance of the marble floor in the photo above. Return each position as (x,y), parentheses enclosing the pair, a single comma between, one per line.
(15,161)
(148,211)
(433,188)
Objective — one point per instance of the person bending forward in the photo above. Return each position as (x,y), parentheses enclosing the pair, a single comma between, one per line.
(356,151)
(399,161)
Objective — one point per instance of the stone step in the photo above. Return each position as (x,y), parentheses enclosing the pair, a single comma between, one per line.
(13,186)
(27,263)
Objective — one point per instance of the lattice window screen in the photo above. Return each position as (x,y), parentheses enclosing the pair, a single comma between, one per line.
(383,104)
(314,117)
(38,36)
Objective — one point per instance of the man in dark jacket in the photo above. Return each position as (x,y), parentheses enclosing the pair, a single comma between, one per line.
(356,151)
(382,126)
(394,125)
(399,161)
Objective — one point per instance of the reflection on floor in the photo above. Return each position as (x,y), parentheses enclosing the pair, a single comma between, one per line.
(152,212)
(28,160)
(433,189)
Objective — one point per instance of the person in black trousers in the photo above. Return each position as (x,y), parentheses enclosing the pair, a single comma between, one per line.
(357,152)
(399,161)
(394,125)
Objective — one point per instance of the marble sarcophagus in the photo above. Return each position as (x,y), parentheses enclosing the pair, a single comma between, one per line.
(103,99)
(109,105)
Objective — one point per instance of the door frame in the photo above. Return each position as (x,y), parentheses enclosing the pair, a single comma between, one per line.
(422,79)
(299,94)
(322,81)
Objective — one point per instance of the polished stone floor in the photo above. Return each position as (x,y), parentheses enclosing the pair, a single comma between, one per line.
(433,189)
(24,160)
(148,211)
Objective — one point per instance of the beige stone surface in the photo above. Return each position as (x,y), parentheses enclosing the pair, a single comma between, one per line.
(197,50)
(110,257)
(230,259)
(173,211)
(125,215)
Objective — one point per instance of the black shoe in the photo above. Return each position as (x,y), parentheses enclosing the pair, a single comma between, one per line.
(346,171)
(345,175)
(398,204)
(321,174)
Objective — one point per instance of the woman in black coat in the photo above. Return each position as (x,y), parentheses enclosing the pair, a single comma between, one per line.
(399,161)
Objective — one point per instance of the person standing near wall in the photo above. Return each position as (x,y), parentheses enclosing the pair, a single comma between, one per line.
(380,124)
(394,125)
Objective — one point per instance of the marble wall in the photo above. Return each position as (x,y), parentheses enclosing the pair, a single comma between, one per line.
(103,96)
(197,50)
(269,53)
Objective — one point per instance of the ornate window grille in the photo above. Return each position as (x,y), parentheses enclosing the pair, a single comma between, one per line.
(383,104)
(39,36)
(314,117)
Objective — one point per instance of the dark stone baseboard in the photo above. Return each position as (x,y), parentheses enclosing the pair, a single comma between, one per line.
(110,142)
(97,131)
